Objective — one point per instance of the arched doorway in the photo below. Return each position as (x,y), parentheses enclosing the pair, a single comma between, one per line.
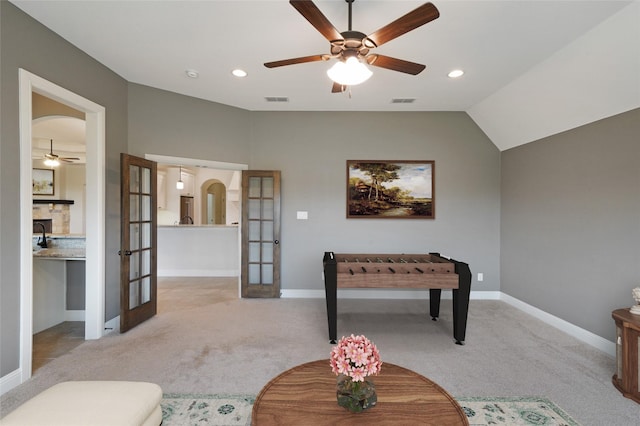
(214,202)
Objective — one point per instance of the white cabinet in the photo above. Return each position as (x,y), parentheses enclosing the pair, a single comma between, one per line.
(58,292)
(49,293)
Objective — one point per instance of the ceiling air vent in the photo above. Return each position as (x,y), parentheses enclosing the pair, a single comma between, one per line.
(403,100)
(277,99)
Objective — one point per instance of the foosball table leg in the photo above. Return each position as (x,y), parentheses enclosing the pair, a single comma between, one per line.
(331,294)
(461,302)
(434,303)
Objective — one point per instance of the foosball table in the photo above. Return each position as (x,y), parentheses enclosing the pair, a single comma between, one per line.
(414,271)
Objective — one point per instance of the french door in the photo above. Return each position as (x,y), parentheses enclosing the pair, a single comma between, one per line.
(138,254)
(260,272)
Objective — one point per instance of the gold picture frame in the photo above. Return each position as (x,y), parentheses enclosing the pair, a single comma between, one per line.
(384,189)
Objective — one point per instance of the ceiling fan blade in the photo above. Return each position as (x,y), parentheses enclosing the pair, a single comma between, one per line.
(292,61)
(320,22)
(338,88)
(412,20)
(394,64)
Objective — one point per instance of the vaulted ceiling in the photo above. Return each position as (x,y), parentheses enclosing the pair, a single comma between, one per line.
(532,68)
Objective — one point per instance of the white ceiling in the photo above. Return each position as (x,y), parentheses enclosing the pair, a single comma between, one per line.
(154,42)
(65,136)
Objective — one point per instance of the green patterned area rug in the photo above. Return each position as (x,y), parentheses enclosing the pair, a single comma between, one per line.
(515,411)
(231,410)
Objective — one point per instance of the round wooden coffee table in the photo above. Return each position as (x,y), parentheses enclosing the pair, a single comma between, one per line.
(306,394)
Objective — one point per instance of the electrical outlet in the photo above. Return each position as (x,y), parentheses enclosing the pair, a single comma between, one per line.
(480,276)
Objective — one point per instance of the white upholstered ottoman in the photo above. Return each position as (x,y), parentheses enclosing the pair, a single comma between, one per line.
(91,403)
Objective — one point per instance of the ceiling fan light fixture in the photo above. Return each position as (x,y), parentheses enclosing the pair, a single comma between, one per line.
(51,162)
(350,72)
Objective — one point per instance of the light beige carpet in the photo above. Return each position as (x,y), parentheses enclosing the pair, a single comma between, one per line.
(206,340)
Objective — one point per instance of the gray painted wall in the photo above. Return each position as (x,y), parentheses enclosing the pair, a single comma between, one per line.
(311,149)
(24,43)
(166,123)
(571,222)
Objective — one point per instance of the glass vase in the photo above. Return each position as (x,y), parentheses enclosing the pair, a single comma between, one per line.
(355,396)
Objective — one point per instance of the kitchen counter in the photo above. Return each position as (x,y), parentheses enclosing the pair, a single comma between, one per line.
(60,247)
(61,253)
(198,251)
(191,225)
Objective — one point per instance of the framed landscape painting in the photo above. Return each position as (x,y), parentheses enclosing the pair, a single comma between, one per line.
(42,182)
(391,189)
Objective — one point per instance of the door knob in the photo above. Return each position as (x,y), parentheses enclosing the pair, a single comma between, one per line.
(276,242)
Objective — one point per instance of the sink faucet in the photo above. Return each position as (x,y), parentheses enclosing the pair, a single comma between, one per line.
(42,242)
(186,220)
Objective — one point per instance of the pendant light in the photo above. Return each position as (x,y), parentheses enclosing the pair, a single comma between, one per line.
(180,183)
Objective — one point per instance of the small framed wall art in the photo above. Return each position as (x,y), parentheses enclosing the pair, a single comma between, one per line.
(42,181)
(390,189)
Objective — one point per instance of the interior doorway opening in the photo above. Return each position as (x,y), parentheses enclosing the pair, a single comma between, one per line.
(214,202)
(207,250)
(95,116)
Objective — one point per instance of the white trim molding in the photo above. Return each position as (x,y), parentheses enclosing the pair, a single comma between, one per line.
(10,381)
(562,325)
(95,118)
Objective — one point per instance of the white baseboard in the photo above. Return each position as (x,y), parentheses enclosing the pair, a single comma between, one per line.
(10,381)
(579,333)
(112,326)
(74,315)
(198,273)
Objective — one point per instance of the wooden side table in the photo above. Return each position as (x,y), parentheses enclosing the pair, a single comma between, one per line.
(627,379)
(306,394)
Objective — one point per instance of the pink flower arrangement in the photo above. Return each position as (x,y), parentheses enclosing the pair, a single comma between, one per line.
(356,357)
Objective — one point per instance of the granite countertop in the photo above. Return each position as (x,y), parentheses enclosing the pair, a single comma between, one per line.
(190,225)
(60,253)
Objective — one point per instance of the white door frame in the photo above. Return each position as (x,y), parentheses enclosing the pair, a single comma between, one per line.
(95,209)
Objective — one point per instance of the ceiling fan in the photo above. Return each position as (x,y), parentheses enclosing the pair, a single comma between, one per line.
(51,159)
(354,44)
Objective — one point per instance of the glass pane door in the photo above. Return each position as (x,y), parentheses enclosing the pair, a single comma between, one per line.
(260,234)
(138,236)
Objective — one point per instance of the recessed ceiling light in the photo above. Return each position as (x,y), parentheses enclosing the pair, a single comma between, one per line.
(455,73)
(239,73)
(192,73)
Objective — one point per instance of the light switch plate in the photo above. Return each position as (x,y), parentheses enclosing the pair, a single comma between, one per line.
(302,215)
